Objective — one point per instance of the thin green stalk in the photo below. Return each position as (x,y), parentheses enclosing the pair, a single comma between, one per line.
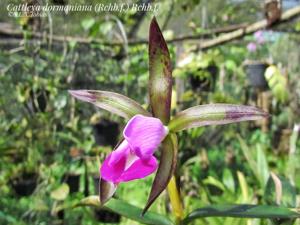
(175,200)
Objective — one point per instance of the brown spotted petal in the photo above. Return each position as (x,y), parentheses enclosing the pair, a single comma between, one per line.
(160,80)
(214,114)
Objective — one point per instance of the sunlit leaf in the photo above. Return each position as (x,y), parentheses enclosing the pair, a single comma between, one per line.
(112,102)
(175,198)
(277,83)
(280,191)
(214,114)
(214,182)
(242,211)
(165,170)
(262,165)
(126,210)
(228,180)
(88,23)
(61,192)
(160,80)
(248,154)
(257,161)
(243,186)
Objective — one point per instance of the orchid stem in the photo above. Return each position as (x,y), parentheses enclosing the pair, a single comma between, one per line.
(175,200)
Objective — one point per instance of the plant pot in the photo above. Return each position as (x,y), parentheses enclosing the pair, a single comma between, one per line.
(61,214)
(205,83)
(25,184)
(106,132)
(73,180)
(38,100)
(185,155)
(256,74)
(103,215)
(82,77)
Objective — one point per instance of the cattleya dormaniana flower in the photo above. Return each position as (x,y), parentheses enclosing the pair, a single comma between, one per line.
(133,158)
(145,132)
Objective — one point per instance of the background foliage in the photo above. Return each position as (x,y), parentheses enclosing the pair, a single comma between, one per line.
(47,137)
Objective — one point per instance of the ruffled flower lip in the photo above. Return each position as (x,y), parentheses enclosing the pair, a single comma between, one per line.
(133,158)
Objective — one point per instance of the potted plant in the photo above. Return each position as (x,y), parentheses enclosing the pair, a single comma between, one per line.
(25,179)
(72,176)
(204,78)
(255,67)
(73,180)
(105,131)
(202,70)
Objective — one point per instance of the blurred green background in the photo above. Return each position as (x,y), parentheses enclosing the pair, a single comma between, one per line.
(51,146)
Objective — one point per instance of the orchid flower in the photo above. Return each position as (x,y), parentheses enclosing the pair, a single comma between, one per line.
(133,157)
(259,37)
(251,47)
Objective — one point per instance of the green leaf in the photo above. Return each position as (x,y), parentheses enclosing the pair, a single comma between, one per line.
(165,169)
(61,192)
(249,156)
(262,165)
(7,219)
(214,182)
(280,191)
(214,114)
(126,210)
(160,80)
(88,23)
(257,161)
(228,180)
(243,211)
(111,101)
(244,187)
(277,83)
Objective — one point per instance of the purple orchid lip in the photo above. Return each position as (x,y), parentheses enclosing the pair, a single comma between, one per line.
(133,158)
(83,95)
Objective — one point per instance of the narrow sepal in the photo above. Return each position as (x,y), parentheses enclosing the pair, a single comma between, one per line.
(165,169)
(214,114)
(111,101)
(106,190)
(160,80)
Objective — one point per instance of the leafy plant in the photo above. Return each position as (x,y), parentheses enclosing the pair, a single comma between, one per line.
(258,46)
(277,83)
